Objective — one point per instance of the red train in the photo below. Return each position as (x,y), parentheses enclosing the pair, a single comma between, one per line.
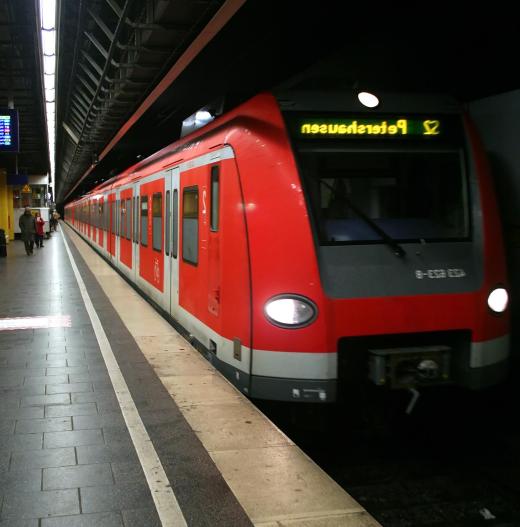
(307,242)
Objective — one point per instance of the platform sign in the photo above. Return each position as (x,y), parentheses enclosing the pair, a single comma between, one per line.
(9,130)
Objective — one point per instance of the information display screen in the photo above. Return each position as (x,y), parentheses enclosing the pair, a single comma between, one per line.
(9,130)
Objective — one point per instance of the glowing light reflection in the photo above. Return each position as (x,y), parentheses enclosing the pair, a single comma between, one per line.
(54,321)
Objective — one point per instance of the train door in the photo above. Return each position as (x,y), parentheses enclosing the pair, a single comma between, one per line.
(125,229)
(171,241)
(135,231)
(111,242)
(102,226)
(212,202)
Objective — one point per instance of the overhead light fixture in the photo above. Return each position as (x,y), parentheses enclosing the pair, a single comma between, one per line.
(368,99)
(48,36)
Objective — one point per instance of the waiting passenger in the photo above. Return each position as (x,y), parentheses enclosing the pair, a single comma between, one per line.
(40,222)
(27,223)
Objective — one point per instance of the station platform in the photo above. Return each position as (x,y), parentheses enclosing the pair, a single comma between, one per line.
(109,417)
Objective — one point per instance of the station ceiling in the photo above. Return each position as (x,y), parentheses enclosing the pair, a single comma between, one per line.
(129,71)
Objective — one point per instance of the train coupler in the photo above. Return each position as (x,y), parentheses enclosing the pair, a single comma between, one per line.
(410,367)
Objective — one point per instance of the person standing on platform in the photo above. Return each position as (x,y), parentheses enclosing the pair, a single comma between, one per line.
(55,218)
(27,223)
(40,222)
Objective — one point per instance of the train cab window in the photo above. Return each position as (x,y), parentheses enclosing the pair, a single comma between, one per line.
(214,199)
(157,221)
(128,218)
(167,225)
(410,195)
(175,223)
(190,225)
(144,221)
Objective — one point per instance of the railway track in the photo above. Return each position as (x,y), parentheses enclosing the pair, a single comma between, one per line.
(454,462)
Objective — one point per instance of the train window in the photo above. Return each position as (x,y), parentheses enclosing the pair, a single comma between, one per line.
(122,222)
(409,194)
(128,218)
(167,225)
(136,220)
(144,221)
(134,225)
(190,225)
(157,221)
(214,199)
(113,217)
(175,222)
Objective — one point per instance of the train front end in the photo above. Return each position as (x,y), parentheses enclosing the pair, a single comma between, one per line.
(407,238)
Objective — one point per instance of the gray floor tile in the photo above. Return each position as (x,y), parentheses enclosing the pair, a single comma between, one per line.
(37,400)
(49,424)
(115,498)
(74,438)
(101,519)
(29,480)
(19,523)
(44,363)
(71,410)
(83,422)
(58,457)
(77,476)
(76,387)
(6,426)
(27,412)
(67,370)
(40,504)
(26,389)
(89,377)
(128,472)
(116,452)
(18,442)
(146,517)
(46,379)
(116,434)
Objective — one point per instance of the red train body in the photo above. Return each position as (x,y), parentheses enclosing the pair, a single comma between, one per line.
(305,243)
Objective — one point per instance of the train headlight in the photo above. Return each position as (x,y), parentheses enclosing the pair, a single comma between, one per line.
(498,300)
(290,311)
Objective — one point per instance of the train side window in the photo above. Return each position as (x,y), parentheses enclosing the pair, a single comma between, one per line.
(136,220)
(175,222)
(113,217)
(128,218)
(190,225)
(121,216)
(214,199)
(144,221)
(134,216)
(167,225)
(157,221)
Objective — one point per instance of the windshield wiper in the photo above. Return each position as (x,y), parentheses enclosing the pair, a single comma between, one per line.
(396,248)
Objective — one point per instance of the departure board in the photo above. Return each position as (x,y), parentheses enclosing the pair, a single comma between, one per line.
(8,130)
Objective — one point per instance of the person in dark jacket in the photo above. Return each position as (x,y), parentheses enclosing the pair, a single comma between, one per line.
(27,223)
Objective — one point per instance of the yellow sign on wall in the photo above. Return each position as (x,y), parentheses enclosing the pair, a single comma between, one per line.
(26,189)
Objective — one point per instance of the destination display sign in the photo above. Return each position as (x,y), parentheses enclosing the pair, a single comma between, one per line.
(373,127)
(8,130)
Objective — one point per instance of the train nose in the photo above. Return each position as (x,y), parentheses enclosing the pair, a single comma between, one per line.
(428,370)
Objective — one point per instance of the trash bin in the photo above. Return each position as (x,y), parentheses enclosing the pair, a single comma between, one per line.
(3,243)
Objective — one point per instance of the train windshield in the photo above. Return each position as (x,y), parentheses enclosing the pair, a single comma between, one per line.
(376,196)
